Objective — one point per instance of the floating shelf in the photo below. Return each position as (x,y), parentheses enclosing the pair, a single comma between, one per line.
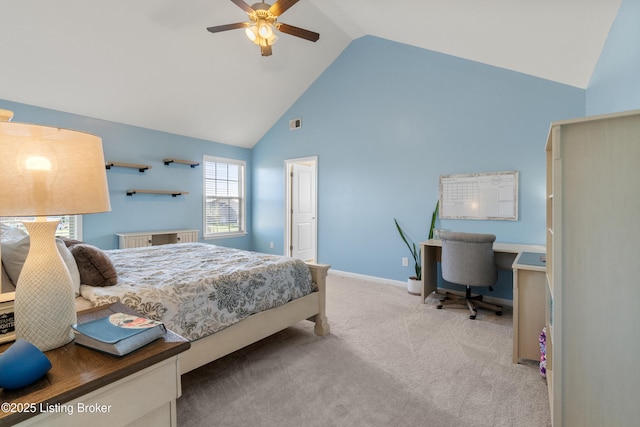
(141,168)
(169,193)
(182,162)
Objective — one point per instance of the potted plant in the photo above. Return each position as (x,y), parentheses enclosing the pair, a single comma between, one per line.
(414,283)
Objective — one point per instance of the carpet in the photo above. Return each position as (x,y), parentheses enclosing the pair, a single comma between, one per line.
(388,361)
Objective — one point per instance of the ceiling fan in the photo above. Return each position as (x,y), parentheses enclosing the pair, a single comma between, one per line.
(264,22)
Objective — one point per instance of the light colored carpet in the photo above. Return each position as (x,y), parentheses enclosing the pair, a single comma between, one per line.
(389,361)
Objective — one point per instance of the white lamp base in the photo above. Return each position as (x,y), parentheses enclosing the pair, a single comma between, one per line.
(45,300)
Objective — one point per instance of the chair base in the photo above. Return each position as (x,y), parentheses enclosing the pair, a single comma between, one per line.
(472,303)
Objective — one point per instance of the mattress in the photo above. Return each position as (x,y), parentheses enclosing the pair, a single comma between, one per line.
(197,289)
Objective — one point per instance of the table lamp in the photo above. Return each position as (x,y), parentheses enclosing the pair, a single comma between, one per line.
(48,171)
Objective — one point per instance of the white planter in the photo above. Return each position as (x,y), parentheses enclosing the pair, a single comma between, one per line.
(414,287)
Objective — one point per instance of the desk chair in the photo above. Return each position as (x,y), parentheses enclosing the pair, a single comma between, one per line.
(467,259)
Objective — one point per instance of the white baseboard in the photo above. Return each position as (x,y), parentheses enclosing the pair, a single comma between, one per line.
(368,278)
(492,300)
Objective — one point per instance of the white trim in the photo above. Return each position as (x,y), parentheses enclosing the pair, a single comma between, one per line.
(243,197)
(78,227)
(368,278)
(287,201)
(493,300)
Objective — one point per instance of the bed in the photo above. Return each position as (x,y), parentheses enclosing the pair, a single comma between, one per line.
(220,299)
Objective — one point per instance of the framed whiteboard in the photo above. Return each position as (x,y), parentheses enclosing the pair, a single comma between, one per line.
(492,195)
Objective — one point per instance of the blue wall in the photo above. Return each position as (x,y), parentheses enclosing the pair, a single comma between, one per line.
(130,144)
(386,120)
(615,82)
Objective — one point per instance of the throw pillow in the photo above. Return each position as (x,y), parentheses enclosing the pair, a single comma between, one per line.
(95,266)
(71,242)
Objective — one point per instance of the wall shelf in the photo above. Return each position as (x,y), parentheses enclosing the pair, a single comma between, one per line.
(165,192)
(182,162)
(141,168)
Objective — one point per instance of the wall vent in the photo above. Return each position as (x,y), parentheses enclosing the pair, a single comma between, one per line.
(295,123)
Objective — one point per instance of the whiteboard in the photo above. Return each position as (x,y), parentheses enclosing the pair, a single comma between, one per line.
(492,195)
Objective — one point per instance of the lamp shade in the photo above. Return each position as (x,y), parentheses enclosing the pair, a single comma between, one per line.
(46,171)
(6,115)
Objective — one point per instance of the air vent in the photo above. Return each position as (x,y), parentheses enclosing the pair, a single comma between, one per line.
(295,123)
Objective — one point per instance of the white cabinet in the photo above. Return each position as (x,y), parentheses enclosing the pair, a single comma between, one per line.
(154,238)
(112,404)
(593,253)
(190,236)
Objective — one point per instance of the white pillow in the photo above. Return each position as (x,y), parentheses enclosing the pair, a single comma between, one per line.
(15,247)
(11,233)
(7,284)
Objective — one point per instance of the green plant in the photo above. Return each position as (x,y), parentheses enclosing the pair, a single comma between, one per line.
(434,215)
(415,249)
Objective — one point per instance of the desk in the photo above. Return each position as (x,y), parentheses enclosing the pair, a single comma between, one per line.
(506,254)
(528,285)
(529,298)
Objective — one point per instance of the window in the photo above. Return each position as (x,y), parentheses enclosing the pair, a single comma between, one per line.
(224,197)
(70,225)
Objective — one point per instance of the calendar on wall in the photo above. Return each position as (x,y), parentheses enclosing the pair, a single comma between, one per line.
(492,195)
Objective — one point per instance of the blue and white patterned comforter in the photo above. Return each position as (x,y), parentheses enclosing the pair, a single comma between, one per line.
(197,289)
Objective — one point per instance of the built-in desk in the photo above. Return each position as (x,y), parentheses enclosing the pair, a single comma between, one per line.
(528,289)
(529,296)
(506,254)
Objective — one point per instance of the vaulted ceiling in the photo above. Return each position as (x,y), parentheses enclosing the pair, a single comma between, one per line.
(151,63)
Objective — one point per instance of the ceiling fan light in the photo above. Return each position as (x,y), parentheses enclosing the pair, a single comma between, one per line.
(252,33)
(265,30)
(267,42)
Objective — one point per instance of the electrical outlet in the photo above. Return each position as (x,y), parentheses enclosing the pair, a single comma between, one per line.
(405,262)
(271,245)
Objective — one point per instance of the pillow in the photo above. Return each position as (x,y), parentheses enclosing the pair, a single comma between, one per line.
(7,284)
(96,269)
(15,247)
(11,233)
(70,242)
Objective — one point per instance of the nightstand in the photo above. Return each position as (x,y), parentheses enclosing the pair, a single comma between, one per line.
(86,387)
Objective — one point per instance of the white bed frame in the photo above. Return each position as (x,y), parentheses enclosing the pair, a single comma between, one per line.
(261,325)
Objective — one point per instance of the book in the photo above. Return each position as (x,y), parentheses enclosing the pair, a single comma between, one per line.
(7,318)
(118,333)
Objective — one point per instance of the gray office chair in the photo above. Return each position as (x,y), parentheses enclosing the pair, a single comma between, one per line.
(468,260)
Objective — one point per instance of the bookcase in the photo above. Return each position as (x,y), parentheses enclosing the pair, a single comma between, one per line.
(593,253)
(154,238)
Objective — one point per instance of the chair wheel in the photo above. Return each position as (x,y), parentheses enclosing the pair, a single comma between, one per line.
(439,306)
(498,313)
(472,316)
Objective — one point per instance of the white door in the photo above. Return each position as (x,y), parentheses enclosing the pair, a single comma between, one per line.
(302,219)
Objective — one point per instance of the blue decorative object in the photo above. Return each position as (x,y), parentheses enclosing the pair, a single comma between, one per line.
(22,364)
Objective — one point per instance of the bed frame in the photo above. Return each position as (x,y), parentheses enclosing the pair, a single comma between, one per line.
(261,325)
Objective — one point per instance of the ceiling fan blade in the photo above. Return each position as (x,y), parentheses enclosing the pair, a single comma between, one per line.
(226,27)
(281,6)
(298,32)
(244,6)
(265,50)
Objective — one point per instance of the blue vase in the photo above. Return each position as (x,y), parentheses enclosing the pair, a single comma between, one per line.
(22,364)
